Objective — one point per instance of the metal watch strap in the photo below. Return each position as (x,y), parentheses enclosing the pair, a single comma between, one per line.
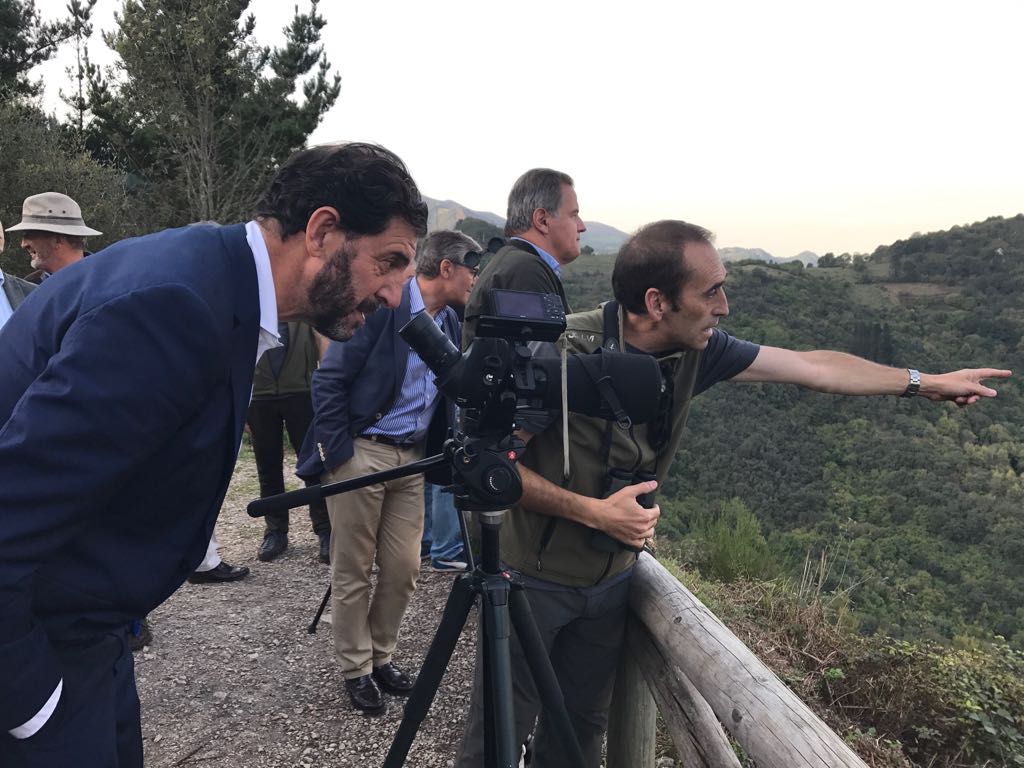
(914,385)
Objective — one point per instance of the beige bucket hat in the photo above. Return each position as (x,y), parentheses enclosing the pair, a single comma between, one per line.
(53,212)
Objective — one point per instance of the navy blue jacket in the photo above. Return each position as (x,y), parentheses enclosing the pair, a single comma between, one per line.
(355,386)
(123,393)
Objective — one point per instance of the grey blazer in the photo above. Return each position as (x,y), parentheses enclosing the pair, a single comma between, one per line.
(16,289)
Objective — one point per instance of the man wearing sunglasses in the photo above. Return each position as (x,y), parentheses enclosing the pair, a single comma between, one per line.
(574,536)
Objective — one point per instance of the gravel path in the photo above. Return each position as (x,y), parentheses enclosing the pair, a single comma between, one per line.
(233,679)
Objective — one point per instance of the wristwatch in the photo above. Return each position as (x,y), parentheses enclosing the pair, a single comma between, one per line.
(914,385)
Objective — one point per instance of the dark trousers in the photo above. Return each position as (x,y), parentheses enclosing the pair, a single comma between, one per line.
(268,418)
(583,636)
(96,723)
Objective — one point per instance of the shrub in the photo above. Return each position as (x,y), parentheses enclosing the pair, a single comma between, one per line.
(731,545)
(949,707)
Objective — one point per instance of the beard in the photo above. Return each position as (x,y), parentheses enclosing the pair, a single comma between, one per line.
(332,299)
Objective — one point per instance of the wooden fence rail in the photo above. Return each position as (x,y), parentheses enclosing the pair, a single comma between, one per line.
(702,676)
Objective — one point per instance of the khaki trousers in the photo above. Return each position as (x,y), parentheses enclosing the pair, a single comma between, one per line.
(385,520)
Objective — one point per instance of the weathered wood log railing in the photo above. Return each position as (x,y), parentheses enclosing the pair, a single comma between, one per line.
(681,659)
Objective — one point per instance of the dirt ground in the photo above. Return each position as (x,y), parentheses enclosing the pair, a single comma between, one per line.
(232,678)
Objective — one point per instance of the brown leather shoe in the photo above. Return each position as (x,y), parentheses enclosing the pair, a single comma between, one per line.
(392,679)
(365,695)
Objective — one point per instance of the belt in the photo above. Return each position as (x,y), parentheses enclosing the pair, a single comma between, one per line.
(394,442)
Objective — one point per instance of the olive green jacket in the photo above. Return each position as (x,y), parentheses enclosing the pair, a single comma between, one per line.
(560,550)
(296,373)
(516,267)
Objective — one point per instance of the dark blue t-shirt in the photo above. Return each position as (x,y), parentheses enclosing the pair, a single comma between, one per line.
(724,357)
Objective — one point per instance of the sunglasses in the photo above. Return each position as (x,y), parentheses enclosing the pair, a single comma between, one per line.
(471,261)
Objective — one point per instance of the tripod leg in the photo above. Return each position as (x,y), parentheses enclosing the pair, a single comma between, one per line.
(323,604)
(544,676)
(456,610)
(500,749)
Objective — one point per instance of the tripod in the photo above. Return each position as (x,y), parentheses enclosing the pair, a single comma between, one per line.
(504,606)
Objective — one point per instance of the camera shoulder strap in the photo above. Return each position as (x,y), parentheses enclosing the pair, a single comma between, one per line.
(611,327)
(612,335)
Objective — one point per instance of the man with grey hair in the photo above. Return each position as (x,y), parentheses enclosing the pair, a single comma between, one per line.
(53,233)
(376,407)
(14,289)
(544,227)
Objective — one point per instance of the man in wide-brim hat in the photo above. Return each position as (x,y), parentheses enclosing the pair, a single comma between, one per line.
(53,233)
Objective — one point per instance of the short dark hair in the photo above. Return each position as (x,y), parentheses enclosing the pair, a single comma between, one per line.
(537,188)
(367,184)
(653,258)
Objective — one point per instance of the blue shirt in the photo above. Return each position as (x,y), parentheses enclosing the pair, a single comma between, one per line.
(409,418)
(546,257)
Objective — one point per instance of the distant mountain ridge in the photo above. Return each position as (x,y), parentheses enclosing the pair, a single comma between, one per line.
(759,254)
(445,214)
(603,238)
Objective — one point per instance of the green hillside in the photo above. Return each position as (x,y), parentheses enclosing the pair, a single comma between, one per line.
(917,505)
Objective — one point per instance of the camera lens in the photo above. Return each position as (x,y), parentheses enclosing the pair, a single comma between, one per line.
(429,342)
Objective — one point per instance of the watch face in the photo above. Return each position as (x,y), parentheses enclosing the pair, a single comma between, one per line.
(914,385)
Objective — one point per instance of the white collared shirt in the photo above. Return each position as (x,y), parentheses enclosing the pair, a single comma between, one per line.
(269,337)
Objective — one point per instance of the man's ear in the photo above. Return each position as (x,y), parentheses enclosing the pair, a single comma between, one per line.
(539,220)
(322,222)
(655,303)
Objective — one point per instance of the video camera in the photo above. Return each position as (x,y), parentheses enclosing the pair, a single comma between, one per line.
(513,369)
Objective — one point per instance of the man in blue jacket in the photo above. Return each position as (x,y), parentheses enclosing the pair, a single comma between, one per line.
(377,407)
(125,387)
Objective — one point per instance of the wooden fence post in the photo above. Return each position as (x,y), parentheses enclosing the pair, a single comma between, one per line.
(632,719)
(695,731)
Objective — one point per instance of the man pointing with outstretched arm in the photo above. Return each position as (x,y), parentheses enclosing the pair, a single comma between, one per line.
(574,534)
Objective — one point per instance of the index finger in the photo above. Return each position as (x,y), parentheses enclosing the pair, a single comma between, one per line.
(992,373)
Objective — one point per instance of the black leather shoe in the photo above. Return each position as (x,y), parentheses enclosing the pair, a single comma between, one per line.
(392,679)
(365,695)
(274,543)
(223,572)
(325,547)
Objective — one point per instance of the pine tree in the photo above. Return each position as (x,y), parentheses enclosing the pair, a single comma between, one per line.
(25,41)
(81,25)
(200,113)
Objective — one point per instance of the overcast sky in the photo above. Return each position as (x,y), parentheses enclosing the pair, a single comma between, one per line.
(787,126)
